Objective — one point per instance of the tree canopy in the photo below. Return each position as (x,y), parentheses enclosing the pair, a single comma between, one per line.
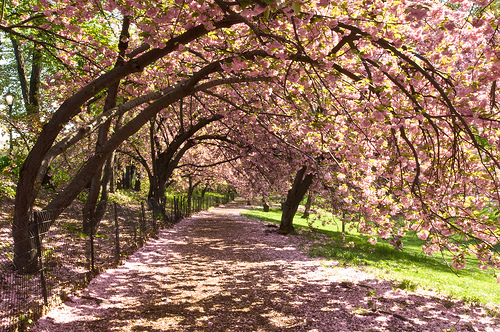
(391,107)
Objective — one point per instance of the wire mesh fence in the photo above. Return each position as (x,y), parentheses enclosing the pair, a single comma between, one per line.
(58,257)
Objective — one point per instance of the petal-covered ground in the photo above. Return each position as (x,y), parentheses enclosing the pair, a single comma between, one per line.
(218,271)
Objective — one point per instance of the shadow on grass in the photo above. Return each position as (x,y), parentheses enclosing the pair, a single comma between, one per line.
(363,253)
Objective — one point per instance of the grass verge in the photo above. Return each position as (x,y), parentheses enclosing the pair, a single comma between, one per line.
(409,267)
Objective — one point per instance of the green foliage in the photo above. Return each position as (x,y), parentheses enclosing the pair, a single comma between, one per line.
(410,267)
(60,175)
(74,228)
(7,186)
(82,196)
(10,165)
(48,254)
(7,190)
(213,194)
(407,285)
(471,299)
(125,196)
(24,317)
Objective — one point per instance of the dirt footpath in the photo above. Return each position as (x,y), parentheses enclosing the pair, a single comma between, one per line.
(218,271)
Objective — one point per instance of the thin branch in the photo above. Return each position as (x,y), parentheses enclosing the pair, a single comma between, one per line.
(209,165)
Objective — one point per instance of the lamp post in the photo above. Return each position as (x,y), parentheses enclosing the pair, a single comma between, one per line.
(9,99)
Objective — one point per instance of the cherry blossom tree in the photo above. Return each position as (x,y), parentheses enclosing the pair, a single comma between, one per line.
(390,105)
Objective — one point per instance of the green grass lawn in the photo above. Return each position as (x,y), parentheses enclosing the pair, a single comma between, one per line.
(410,267)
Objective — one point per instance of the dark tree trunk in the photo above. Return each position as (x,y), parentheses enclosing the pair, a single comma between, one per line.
(265,207)
(137,184)
(21,71)
(29,89)
(204,190)
(36,69)
(191,189)
(307,207)
(89,219)
(24,246)
(166,162)
(190,194)
(128,176)
(153,176)
(295,194)
(24,251)
(112,173)
(99,186)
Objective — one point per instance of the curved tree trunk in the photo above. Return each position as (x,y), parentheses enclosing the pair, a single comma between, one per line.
(166,162)
(299,188)
(99,185)
(153,175)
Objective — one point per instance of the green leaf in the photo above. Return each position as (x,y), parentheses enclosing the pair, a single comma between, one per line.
(267,13)
(296,7)
(244,4)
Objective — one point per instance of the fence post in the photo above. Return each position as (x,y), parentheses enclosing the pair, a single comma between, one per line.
(142,226)
(36,227)
(179,208)
(175,208)
(171,209)
(134,225)
(92,249)
(184,210)
(117,237)
(154,220)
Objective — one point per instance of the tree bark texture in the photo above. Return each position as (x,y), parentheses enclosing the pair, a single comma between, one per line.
(21,70)
(307,207)
(299,188)
(36,70)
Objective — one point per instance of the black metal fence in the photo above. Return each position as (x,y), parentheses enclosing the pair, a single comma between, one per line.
(65,259)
